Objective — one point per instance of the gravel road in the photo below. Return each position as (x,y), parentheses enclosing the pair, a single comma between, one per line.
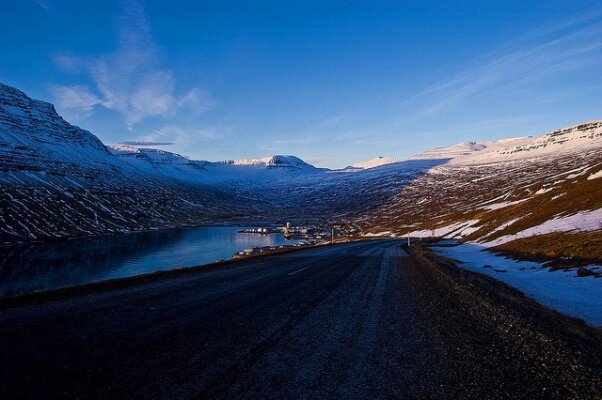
(361,320)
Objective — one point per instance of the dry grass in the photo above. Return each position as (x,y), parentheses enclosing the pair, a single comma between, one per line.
(568,197)
(561,248)
(546,189)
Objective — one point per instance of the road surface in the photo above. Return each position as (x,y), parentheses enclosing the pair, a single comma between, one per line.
(355,321)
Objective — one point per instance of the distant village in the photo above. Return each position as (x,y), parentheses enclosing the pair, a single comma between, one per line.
(310,235)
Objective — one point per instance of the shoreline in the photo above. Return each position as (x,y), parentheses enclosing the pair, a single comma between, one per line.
(41,296)
(106,235)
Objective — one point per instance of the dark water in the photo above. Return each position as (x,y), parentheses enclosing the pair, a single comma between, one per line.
(30,268)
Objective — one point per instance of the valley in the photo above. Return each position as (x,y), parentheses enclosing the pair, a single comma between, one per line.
(536,198)
(300,200)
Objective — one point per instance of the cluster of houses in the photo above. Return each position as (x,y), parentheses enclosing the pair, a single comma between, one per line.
(310,234)
(262,231)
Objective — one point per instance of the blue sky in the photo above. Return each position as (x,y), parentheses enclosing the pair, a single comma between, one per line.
(334,82)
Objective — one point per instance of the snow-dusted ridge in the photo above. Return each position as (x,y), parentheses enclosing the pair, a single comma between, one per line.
(98,189)
(277,161)
(449,152)
(33,137)
(57,180)
(375,162)
(573,139)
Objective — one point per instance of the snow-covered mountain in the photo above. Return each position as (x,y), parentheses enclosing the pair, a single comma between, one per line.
(574,139)
(449,152)
(540,195)
(155,157)
(160,162)
(571,139)
(273,162)
(246,172)
(34,138)
(260,171)
(57,180)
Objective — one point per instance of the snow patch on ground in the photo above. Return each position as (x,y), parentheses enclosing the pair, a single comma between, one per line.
(595,175)
(563,291)
(503,204)
(456,230)
(378,234)
(545,190)
(583,222)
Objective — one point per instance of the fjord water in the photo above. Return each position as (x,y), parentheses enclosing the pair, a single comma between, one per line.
(33,267)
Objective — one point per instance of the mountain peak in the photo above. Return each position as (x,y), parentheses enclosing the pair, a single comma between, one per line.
(276,161)
(33,137)
(154,155)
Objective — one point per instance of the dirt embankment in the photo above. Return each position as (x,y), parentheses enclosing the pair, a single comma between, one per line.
(497,343)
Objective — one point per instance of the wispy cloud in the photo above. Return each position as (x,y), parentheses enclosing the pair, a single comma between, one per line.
(131,80)
(70,62)
(542,53)
(77,98)
(46,5)
(178,134)
(308,136)
(210,142)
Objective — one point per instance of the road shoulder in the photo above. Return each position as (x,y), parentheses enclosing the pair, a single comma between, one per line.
(498,343)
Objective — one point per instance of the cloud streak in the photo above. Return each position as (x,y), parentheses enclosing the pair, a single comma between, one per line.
(131,80)
(179,134)
(76,98)
(47,6)
(542,53)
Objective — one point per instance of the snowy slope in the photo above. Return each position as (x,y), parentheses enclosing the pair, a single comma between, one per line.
(34,138)
(260,171)
(537,195)
(578,138)
(375,162)
(273,162)
(581,137)
(247,172)
(562,290)
(449,152)
(160,162)
(59,180)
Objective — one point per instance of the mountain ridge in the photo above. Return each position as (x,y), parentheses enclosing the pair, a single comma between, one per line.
(474,190)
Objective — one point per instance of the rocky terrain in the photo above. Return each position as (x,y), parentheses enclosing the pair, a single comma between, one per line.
(547,202)
(57,180)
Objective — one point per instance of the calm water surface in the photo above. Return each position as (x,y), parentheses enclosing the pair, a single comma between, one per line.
(28,268)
